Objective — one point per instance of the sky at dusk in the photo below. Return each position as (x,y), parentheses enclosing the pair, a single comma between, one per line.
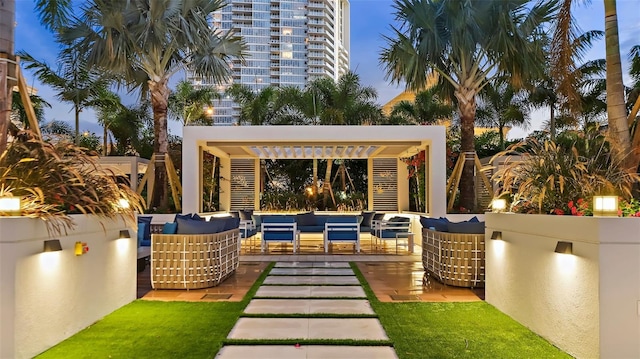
(370,19)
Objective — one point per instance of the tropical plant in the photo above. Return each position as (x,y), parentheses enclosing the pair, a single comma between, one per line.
(19,114)
(551,175)
(256,108)
(454,39)
(144,43)
(428,108)
(74,81)
(502,106)
(190,104)
(56,179)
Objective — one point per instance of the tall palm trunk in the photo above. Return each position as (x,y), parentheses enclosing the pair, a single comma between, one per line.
(159,100)
(616,110)
(467,108)
(552,121)
(7,21)
(326,188)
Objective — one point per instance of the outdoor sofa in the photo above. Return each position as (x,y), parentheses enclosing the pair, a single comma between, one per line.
(453,252)
(192,253)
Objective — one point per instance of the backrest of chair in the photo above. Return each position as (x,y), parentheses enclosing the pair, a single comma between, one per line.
(342,219)
(279,231)
(278,219)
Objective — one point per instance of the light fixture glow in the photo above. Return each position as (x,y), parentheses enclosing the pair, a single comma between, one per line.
(605,205)
(123,203)
(496,235)
(498,205)
(52,245)
(10,205)
(564,247)
(124,234)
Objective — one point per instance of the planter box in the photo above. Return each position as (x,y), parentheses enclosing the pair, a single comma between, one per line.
(586,303)
(47,297)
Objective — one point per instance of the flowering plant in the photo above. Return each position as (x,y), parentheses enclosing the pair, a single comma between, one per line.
(629,208)
(580,207)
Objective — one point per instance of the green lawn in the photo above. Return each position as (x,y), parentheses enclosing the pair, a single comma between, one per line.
(149,329)
(456,330)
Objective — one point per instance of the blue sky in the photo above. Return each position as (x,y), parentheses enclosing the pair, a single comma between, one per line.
(370,19)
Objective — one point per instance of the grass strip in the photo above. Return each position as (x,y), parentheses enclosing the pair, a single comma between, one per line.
(154,329)
(309,315)
(300,341)
(453,330)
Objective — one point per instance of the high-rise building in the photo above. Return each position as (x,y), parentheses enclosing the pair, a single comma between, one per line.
(290,42)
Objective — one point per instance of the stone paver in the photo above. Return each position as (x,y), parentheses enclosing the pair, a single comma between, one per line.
(301,291)
(311,271)
(337,280)
(308,306)
(312,265)
(308,328)
(305,352)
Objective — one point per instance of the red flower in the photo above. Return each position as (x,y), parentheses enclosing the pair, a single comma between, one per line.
(571,204)
(574,210)
(580,200)
(558,211)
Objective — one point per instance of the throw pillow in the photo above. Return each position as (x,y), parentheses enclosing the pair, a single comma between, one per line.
(195,216)
(306,219)
(474,219)
(141,227)
(437,224)
(257,220)
(182,216)
(245,214)
(466,227)
(190,226)
(367,217)
(170,228)
(378,217)
(146,229)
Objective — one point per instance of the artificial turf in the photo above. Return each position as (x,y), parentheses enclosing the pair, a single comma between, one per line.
(456,330)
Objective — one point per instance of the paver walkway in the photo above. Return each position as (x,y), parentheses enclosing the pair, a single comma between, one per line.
(304,288)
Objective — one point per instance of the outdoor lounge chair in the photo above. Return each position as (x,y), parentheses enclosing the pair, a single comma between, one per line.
(396,229)
(279,229)
(342,229)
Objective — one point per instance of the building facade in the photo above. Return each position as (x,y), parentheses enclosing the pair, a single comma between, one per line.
(290,42)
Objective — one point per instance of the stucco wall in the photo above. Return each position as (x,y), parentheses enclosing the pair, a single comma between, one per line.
(47,297)
(585,303)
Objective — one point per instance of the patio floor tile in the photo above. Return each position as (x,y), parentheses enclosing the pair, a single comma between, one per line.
(305,352)
(301,291)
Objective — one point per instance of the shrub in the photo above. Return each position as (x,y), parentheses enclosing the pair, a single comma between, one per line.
(58,179)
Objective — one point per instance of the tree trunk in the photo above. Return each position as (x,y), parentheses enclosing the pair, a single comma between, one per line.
(104,140)
(552,122)
(616,110)
(7,23)
(326,188)
(467,108)
(159,99)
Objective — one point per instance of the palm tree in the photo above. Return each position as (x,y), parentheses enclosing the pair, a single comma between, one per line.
(427,109)
(18,112)
(145,43)
(256,108)
(7,21)
(190,104)
(503,106)
(74,81)
(454,39)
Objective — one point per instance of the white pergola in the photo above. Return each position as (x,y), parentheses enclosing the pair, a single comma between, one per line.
(240,149)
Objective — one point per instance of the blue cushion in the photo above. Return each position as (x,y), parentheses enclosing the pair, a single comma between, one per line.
(170,228)
(141,228)
(367,217)
(342,236)
(466,227)
(474,219)
(182,216)
(438,224)
(278,219)
(342,219)
(197,217)
(190,226)
(378,217)
(229,222)
(147,229)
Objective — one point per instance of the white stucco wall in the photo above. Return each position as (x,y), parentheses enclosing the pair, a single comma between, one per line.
(585,303)
(47,297)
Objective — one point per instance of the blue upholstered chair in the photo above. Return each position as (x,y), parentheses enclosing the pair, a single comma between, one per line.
(279,229)
(396,228)
(342,229)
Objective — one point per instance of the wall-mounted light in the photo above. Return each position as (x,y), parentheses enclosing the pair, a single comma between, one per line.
(52,245)
(564,247)
(10,205)
(124,233)
(496,235)
(498,205)
(605,205)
